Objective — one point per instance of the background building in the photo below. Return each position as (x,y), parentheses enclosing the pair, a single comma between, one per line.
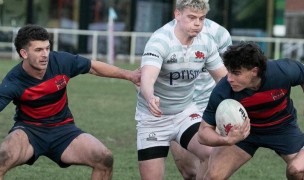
(255,18)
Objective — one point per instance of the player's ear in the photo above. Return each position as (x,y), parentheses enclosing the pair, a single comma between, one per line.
(177,13)
(23,53)
(255,71)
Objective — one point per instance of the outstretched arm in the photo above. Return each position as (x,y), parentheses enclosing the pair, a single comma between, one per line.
(106,70)
(149,75)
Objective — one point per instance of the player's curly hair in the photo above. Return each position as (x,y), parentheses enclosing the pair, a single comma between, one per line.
(30,33)
(197,5)
(245,55)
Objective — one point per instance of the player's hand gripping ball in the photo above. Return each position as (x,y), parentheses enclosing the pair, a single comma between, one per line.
(229,113)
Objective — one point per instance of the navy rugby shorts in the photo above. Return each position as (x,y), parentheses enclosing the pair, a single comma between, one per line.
(49,141)
(288,140)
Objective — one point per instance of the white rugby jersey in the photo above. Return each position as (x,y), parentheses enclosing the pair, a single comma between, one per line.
(205,83)
(179,67)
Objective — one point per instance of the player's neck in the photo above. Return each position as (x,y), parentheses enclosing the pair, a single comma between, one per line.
(183,38)
(256,84)
(33,72)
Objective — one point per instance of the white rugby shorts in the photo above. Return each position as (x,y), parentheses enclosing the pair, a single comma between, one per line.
(159,131)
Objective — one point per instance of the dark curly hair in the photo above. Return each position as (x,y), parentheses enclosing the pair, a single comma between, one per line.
(30,33)
(245,55)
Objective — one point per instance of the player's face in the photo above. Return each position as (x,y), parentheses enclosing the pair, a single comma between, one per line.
(190,22)
(36,55)
(243,78)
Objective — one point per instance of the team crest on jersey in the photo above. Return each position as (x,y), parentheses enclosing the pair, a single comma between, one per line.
(152,137)
(277,94)
(60,83)
(195,116)
(199,55)
(172,59)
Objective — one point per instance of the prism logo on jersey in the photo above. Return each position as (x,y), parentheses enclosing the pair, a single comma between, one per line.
(184,74)
(199,55)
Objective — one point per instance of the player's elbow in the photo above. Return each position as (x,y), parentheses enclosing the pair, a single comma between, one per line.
(201,140)
(205,134)
(201,136)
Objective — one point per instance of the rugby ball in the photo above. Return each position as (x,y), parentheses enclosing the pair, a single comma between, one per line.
(229,113)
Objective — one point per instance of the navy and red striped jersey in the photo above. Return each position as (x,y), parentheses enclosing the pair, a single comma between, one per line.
(270,107)
(43,102)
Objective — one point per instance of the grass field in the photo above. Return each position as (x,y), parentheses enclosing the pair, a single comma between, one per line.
(105,108)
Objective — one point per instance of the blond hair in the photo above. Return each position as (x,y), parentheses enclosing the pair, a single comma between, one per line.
(196,5)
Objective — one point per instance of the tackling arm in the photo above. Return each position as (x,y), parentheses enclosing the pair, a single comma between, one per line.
(106,70)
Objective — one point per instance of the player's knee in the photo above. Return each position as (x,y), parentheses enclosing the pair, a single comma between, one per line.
(213,174)
(4,157)
(107,159)
(188,171)
(102,159)
(189,175)
(206,154)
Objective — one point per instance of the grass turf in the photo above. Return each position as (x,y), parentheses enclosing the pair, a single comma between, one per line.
(105,108)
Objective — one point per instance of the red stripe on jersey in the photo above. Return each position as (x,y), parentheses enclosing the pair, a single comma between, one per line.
(263,97)
(269,112)
(45,111)
(66,121)
(271,123)
(47,87)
